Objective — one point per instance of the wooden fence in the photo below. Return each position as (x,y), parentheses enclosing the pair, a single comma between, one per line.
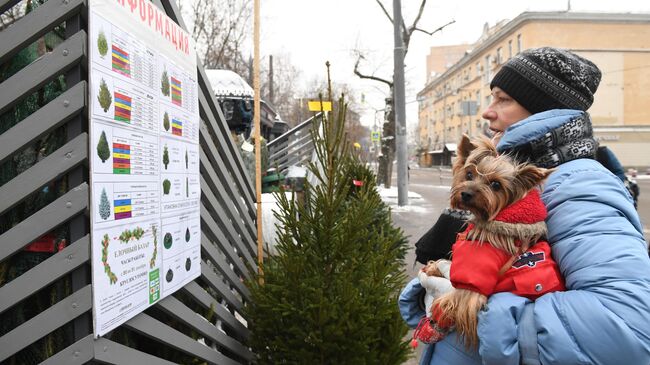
(46,298)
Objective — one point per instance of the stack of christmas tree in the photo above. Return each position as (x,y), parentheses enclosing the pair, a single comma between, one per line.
(330,294)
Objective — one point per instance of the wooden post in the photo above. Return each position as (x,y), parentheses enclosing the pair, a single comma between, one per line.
(257,127)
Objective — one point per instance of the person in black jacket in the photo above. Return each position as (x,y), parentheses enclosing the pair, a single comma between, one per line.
(436,243)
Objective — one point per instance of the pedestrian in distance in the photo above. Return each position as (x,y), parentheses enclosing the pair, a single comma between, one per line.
(540,99)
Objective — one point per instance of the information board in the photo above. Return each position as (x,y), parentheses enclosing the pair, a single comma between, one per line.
(144,169)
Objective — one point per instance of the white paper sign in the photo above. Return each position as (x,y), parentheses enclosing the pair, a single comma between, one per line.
(144,170)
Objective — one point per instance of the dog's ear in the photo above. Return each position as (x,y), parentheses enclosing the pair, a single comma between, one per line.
(486,144)
(483,147)
(529,176)
(465,147)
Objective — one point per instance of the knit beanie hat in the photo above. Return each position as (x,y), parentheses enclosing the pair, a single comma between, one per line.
(548,78)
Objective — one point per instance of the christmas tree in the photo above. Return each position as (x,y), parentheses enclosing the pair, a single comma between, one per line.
(102,45)
(165,157)
(104,96)
(329,296)
(104,206)
(164,87)
(103,151)
(166,121)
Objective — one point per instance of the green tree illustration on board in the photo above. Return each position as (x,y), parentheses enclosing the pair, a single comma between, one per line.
(104,96)
(186,161)
(104,206)
(102,45)
(103,151)
(166,121)
(166,186)
(168,240)
(187,235)
(165,83)
(165,157)
(187,187)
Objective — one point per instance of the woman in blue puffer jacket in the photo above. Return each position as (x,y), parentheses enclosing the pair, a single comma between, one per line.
(540,98)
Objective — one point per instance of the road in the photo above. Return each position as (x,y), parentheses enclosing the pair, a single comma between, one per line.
(433,184)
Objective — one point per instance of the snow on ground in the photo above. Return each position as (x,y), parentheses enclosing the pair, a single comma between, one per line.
(429,186)
(416,204)
(392,193)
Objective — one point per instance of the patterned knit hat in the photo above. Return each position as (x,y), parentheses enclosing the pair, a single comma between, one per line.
(548,78)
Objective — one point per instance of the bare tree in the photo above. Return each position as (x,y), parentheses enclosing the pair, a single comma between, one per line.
(285,79)
(12,14)
(388,140)
(220,29)
(354,130)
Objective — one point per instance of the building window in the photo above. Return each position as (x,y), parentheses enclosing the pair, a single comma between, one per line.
(478,69)
(487,75)
(510,49)
(499,56)
(478,99)
(518,43)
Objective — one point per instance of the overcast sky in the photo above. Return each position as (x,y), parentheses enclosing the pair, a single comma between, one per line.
(313,31)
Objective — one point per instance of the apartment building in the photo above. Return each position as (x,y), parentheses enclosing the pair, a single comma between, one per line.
(451,102)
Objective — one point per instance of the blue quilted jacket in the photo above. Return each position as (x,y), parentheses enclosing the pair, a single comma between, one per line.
(597,240)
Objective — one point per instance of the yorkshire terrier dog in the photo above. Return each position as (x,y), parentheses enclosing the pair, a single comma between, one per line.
(503,248)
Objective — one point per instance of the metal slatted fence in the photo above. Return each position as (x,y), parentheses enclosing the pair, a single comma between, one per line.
(294,147)
(46,297)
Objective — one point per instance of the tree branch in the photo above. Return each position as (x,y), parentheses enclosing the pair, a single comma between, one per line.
(436,30)
(385,11)
(369,77)
(417,18)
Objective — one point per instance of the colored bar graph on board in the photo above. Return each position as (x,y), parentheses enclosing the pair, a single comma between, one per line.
(121,158)
(120,61)
(122,107)
(177,127)
(177,92)
(122,208)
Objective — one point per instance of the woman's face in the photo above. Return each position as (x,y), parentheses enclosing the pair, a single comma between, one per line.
(504,111)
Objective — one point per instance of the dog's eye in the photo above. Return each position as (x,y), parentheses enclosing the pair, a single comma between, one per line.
(469,175)
(495,185)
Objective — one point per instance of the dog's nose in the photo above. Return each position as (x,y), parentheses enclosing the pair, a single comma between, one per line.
(466,196)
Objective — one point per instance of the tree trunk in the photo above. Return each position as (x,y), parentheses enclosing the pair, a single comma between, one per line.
(387,144)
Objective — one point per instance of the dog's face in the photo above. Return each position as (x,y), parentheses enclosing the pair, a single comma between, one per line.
(485,182)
